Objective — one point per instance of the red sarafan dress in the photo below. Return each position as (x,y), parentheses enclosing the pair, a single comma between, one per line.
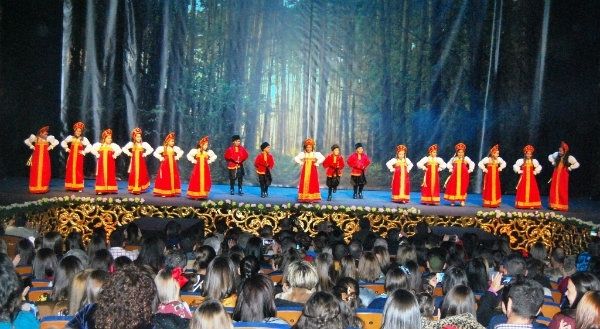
(400,178)
(106,174)
(458,182)
(308,186)
(528,194)
(558,199)
(492,189)
(430,188)
(77,148)
(200,180)
(168,182)
(40,169)
(139,180)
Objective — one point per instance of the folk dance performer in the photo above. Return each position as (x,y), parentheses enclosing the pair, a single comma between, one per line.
(235,155)
(400,166)
(334,164)
(460,167)
(359,162)
(106,173)
(137,150)
(308,186)
(168,183)
(491,166)
(77,146)
(200,180)
(264,163)
(40,168)
(432,165)
(563,162)
(528,194)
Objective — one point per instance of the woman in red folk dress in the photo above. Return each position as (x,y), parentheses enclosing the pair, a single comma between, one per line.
(40,168)
(334,164)
(200,181)
(308,187)
(168,183)
(106,174)
(137,150)
(358,162)
(264,163)
(491,166)
(77,146)
(400,166)
(432,165)
(460,167)
(528,194)
(563,162)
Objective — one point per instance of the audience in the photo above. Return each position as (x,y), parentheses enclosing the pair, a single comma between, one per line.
(401,311)
(209,315)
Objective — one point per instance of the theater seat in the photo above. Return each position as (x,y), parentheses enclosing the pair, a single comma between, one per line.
(378,288)
(24,270)
(289,314)
(39,294)
(543,320)
(550,309)
(54,322)
(192,299)
(372,319)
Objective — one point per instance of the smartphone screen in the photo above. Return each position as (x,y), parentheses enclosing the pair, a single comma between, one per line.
(440,277)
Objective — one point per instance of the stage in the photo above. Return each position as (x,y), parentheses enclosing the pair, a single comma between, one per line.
(65,211)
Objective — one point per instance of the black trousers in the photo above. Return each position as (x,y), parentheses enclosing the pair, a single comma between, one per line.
(236,174)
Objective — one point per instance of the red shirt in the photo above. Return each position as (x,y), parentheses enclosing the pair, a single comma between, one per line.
(333,165)
(263,161)
(235,156)
(358,163)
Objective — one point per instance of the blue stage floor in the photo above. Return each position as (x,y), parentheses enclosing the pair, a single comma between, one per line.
(14,190)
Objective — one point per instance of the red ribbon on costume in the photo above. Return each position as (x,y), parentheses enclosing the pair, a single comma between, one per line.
(177,274)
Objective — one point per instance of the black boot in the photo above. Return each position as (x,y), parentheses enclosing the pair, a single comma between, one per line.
(266,191)
(355,192)
(360,188)
(240,188)
(231,184)
(262,192)
(329,194)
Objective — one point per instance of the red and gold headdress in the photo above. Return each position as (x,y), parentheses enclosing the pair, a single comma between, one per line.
(528,148)
(401,147)
(432,148)
(78,125)
(203,140)
(135,131)
(170,137)
(495,148)
(309,141)
(44,129)
(106,133)
(564,146)
(460,146)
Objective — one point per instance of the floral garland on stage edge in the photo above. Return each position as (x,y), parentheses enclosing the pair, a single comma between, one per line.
(523,228)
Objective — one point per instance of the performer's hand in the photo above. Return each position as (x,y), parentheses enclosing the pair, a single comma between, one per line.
(143,155)
(485,171)
(392,170)
(115,156)
(470,171)
(68,150)
(50,147)
(32,147)
(81,152)
(195,161)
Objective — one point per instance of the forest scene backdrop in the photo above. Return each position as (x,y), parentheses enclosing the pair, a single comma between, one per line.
(379,72)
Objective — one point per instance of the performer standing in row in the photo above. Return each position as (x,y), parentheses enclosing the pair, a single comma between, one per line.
(308,187)
(528,194)
(200,180)
(264,163)
(40,168)
(168,183)
(334,163)
(492,165)
(400,166)
(432,165)
(137,150)
(235,156)
(563,162)
(106,175)
(358,162)
(77,146)
(460,167)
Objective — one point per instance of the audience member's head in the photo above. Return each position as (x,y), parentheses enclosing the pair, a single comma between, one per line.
(26,251)
(347,289)
(78,289)
(454,276)
(578,284)
(54,241)
(211,314)
(325,271)
(249,267)
(74,241)
(255,300)
(405,253)
(68,267)
(175,258)
(515,265)
(301,274)
(588,311)
(426,305)
(538,251)
(436,259)
(167,287)
(477,274)
(127,297)
(9,289)
(401,311)
(397,278)
(221,278)
(152,253)
(459,300)
(525,299)
(322,310)
(368,268)
(94,283)
(348,267)
(101,260)
(44,264)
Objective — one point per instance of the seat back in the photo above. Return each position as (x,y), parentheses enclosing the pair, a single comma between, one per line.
(39,294)
(372,318)
(289,314)
(40,283)
(24,270)
(378,288)
(543,320)
(192,299)
(550,309)
(11,244)
(556,296)
(54,322)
